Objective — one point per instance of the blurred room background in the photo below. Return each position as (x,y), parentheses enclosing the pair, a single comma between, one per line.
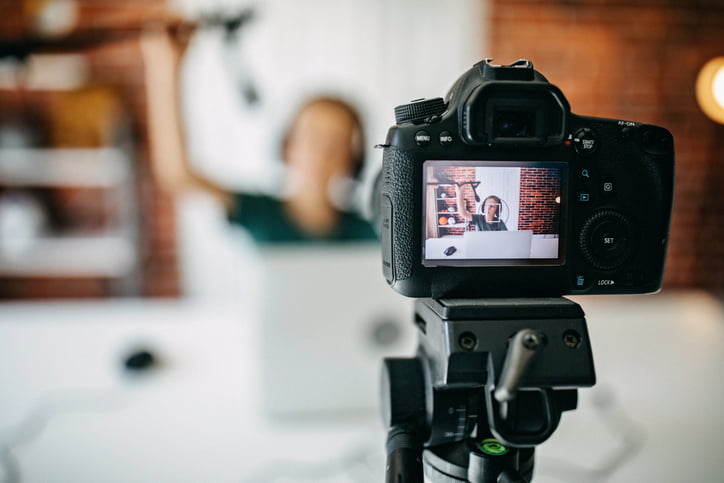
(98,264)
(636,61)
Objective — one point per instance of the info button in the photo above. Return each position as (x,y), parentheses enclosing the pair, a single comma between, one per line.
(446,138)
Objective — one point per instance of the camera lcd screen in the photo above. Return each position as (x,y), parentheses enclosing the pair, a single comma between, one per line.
(486,213)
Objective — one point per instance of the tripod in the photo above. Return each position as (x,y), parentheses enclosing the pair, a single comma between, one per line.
(489,383)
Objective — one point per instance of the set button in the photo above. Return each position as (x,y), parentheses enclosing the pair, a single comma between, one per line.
(606,239)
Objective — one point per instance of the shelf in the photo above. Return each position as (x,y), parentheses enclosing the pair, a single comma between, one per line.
(69,256)
(107,254)
(80,39)
(86,167)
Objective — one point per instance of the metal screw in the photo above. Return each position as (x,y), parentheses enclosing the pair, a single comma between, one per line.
(468,341)
(571,339)
(531,340)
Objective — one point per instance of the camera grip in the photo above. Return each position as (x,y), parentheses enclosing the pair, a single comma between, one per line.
(400,226)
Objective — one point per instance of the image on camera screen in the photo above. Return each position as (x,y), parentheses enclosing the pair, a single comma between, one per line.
(482,213)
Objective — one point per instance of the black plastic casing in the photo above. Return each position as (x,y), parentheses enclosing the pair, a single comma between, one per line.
(636,159)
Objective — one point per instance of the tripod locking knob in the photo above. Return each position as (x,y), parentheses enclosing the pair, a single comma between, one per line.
(522,350)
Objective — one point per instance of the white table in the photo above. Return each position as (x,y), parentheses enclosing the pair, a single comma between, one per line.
(197,417)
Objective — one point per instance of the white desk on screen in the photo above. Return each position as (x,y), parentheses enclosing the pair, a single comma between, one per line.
(541,247)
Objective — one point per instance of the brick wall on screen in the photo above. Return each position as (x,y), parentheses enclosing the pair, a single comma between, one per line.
(539,189)
(637,60)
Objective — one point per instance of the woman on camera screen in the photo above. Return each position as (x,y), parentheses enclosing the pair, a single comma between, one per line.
(488,219)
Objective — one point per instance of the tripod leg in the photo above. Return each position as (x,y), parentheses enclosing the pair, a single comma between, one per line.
(511,476)
(404,457)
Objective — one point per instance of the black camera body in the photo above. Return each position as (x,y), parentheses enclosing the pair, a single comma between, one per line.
(500,191)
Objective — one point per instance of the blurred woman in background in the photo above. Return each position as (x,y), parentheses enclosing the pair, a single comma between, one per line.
(323,147)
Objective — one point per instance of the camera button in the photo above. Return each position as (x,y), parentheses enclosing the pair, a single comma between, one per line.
(626,131)
(608,187)
(580,281)
(606,239)
(422,138)
(610,243)
(585,142)
(446,138)
(610,240)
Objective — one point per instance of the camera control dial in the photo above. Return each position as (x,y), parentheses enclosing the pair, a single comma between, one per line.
(606,239)
(419,110)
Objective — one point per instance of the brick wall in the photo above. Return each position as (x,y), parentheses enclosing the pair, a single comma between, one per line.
(118,64)
(637,60)
(539,188)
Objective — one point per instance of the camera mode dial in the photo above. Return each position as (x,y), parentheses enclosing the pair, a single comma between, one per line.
(606,239)
(419,110)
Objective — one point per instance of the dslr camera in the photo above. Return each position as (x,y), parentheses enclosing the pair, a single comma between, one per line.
(498,190)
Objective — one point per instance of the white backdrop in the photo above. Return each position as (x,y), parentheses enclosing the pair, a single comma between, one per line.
(376,53)
(505,184)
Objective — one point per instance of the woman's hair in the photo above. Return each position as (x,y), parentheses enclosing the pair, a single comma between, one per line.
(358,160)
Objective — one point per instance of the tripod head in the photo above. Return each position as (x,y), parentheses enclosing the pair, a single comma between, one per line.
(489,383)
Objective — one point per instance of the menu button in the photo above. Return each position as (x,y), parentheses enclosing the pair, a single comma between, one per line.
(422,138)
